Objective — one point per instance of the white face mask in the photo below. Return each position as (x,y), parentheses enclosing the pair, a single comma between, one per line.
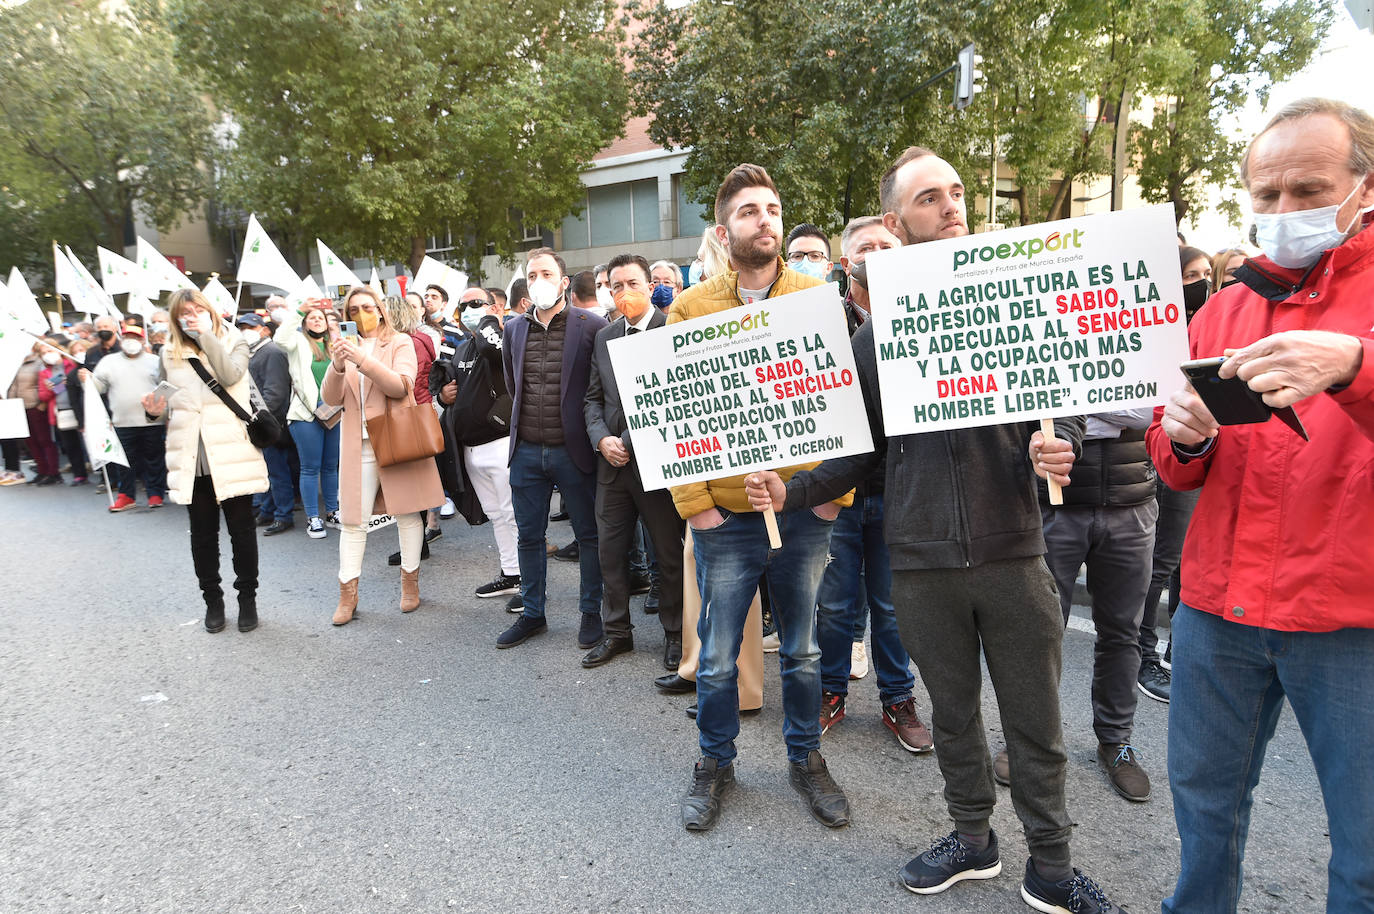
(131,346)
(544,294)
(279,315)
(1296,240)
(251,336)
(604,299)
(157,327)
(51,358)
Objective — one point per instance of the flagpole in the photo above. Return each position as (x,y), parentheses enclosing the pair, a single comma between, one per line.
(104,471)
(238,290)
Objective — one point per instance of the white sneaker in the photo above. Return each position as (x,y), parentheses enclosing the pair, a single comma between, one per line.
(772,643)
(315,529)
(858,661)
(449,509)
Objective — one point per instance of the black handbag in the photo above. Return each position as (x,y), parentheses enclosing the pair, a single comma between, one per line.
(264,430)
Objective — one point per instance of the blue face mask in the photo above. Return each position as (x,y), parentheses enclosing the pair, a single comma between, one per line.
(808,267)
(694,273)
(662,297)
(471,317)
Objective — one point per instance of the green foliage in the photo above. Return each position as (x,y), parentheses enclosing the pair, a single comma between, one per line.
(825,95)
(95,119)
(373,124)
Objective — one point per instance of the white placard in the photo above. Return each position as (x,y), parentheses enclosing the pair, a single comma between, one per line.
(762,386)
(1065,318)
(14,422)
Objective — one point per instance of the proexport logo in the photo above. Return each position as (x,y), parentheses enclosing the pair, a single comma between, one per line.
(1027,248)
(725,330)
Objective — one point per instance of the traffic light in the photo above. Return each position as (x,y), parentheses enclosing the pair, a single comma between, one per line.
(970,81)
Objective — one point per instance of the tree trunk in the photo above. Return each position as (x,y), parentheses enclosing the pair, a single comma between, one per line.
(417,253)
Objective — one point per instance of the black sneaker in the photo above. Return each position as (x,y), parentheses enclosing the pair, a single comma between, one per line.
(701,806)
(515,604)
(651,601)
(524,629)
(568,553)
(500,586)
(432,535)
(824,799)
(590,632)
(1079,895)
(948,861)
(1154,681)
(1167,661)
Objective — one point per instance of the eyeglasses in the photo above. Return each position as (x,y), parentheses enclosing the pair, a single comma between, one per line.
(813,256)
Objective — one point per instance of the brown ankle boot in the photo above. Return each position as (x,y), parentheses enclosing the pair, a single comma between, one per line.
(410,590)
(348,602)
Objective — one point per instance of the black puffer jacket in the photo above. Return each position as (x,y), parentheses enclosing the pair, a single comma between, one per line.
(1112,472)
(541,421)
(953,499)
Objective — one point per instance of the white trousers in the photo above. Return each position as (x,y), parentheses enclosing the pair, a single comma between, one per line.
(490,478)
(353,537)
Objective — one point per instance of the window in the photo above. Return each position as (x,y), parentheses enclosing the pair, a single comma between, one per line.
(615,214)
(691,217)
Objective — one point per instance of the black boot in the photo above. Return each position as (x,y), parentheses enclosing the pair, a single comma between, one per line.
(248,612)
(214,615)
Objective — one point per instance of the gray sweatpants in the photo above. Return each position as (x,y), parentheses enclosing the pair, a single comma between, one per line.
(1008,610)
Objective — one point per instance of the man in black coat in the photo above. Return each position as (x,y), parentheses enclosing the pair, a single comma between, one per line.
(271,374)
(620,497)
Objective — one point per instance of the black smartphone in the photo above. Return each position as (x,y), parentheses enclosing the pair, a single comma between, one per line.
(1231,400)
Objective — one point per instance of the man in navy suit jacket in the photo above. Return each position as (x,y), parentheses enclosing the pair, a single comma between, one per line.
(547,355)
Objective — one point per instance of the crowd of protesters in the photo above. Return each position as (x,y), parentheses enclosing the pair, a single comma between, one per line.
(521,383)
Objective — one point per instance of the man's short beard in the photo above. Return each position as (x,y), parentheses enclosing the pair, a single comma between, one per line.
(747,255)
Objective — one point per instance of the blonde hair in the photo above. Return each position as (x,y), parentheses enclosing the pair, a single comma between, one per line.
(401,314)
(384,327)
(1219,262)
(180,300)
(712,254)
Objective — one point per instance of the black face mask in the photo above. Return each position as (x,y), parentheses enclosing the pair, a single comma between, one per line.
(858,272)
(317,334)
(105,335)
(1194,297)
(1230,282)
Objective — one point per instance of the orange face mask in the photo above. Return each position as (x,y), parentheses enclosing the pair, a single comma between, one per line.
(367,320)
(632,303)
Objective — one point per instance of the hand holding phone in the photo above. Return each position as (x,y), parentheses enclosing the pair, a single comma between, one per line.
(349,330)
(165,390)
(1231,400)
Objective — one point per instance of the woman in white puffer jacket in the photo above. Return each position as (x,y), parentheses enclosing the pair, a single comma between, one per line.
(212,467)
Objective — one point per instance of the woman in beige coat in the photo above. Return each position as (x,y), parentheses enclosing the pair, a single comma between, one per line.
(212,467)
(363,375)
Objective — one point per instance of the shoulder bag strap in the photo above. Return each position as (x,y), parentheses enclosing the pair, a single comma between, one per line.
(219,390)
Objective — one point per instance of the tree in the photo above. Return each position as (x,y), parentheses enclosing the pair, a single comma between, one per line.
(822,95)
(1236,48)
(376,124)
(95,122)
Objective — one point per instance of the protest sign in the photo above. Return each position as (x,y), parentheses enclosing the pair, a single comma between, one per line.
(333,269)
(14,421)
(1065,318)
(769,385)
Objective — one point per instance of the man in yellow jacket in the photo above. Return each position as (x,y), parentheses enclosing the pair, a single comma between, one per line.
(731,543)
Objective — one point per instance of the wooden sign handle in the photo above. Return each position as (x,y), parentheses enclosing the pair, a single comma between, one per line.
(770,520)
(1056,490)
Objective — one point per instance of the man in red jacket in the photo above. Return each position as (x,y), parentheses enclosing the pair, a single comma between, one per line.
(1276,596)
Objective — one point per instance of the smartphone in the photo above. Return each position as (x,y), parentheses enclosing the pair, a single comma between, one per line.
(165,391)
(1231,400)
(349,330)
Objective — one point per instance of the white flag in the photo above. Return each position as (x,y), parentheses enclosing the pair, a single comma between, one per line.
(93,287)
(219,297)
(118,274)
(158,273)
(23,304)
(305,290)
(102,444)
(137,304)
(432,272)
(335,273)
(261,262)
(70,284)
(375,282)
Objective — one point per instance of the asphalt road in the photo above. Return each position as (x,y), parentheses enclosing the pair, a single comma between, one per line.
(403,764)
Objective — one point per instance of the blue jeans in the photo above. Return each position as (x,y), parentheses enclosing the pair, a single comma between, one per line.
(280,497)
(859,567)
(318,448)
(730,560)
(534,470)
(1229,683)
